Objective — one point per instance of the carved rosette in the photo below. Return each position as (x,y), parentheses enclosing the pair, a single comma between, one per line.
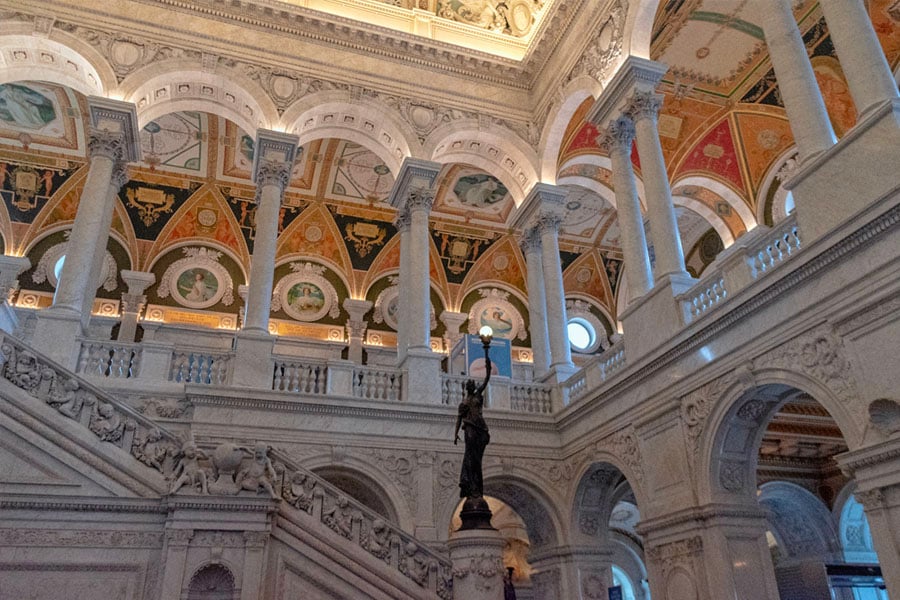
(644,105)
(273,172)
(108,144)
(618,137)
(530,242)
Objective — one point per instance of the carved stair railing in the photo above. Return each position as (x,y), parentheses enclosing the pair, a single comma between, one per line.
(306,492)
(157,448)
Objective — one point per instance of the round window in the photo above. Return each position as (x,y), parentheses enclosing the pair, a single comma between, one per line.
(581,334)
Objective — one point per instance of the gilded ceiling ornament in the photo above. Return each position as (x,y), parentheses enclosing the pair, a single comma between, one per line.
(365,236)
(150,203)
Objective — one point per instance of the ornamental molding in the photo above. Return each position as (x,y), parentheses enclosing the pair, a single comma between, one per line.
(605,47)
(492,298)
(45,270)
(676,554)
(399,465)
(306,307)
(80,538)
(196,260)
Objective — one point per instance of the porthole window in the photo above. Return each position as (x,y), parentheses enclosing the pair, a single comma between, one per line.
(581,335)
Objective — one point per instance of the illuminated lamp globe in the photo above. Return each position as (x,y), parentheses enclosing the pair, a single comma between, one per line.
(486,334)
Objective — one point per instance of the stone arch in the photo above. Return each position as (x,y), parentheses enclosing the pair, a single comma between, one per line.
(495,149)
(639,27)
(183,85)
(599,485)
(800,522)
(726,232)
(371,482)
(740,408)
(525,494)
(212,581)
(598,160)
(773,200)
(572,96)
(59,58)
(373,125)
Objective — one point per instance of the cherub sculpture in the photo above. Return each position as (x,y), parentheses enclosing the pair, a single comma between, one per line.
(189,470)
(299,491)
(259,474)
(340,517)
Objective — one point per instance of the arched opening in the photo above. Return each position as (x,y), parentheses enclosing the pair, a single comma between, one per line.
(362,488)
(604,518)
(212,582)
(777,447)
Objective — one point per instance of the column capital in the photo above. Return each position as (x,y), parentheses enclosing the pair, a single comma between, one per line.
(133,303)
(274,154)
(542,199)
(635,74)
(137,281)
(530,242)
(272,172)
(109,144)
(357,309)
(402,220)
(549,221)
(119,176)
(618,135)
(644,104)
(118,119)
(413,184)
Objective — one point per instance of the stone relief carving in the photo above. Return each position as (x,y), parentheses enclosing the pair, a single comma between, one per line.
(485,569)
(696,407)
(414,564)
(593,586)
(339,516)
(188,471)
(299,491)
(605,47)
(398,465)
(87,538)
(676,554)
(624,444)
(512,17)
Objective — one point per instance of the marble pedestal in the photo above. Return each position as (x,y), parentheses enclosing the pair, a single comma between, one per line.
(477,556)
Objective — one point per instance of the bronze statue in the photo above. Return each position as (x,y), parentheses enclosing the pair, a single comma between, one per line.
(475,512)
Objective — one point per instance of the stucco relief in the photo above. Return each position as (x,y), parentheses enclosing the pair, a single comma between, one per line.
(399,466)
(606,46)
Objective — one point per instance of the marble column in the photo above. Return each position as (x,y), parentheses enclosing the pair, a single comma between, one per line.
(133,302)
(274,159)
(802,99)
(859,50)
(548,224)
(402,222)
(617,140)
(356,327)
(537,301)
(113,141)
(644,110)
(418,288)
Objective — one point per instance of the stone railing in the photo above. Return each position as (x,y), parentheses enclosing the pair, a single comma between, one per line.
(200,367)
(453,389)
(377,383)
(300,377)
(531,398)
(776,246)
(709,292)
(110,420)
(115,360)
(594,373)
(326,504)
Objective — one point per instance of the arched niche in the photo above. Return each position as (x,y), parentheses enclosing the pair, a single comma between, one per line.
(212,582)
(363,488)
(800,522)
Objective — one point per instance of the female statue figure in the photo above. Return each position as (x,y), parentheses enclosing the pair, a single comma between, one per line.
(476,435)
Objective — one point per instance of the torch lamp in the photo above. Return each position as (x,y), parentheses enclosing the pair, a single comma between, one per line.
(487,335)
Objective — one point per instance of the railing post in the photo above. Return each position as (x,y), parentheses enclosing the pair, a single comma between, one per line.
(340,378)
(499,393)
(156,361)
(734,264)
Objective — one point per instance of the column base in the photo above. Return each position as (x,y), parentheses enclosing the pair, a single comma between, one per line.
(847,178)
(422,376)
(56,335)
(477,556)
(655,317)
(253,366)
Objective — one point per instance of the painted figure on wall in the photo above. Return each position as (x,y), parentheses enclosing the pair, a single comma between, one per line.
(479,191)
(25,107)
(197,285)
(306,297)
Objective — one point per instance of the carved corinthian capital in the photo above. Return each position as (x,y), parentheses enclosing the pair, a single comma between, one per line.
(618,137)
(109,144)
(403,220)
(530,241)
(549,222)
(119,175)
(273,172)
(644,105)
(420,199)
